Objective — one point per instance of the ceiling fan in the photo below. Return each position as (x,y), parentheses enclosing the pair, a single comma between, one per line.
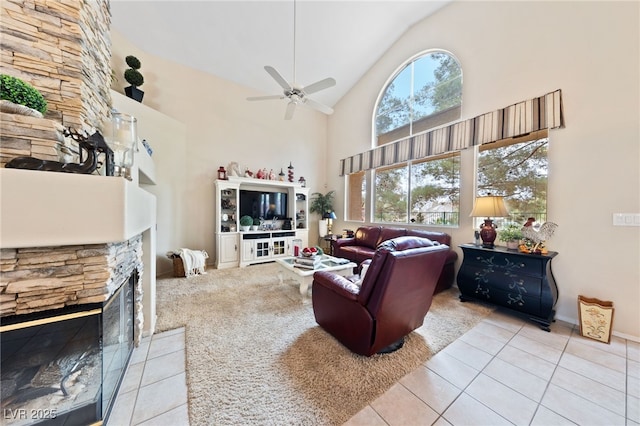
(297,94)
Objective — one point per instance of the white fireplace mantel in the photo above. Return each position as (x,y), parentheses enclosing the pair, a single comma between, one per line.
(41,209)
(45,209)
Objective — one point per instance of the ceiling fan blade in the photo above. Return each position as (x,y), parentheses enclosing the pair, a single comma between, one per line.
(291,107)
(277,77)
(317,105)
(319,85)
(264,98)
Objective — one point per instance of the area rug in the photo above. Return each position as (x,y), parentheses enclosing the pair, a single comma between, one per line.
(255,354)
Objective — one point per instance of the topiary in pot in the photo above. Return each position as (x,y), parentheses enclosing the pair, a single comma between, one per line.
(19,92)
(245,223)
(134,78)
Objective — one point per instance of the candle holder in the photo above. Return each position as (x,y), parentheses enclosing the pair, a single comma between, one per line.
(123,140)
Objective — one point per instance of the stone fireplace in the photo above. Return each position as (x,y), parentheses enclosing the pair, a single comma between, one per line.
(73,249)
(73,246)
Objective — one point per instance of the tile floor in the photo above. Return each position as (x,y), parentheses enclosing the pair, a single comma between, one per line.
(503,371)
(154,389)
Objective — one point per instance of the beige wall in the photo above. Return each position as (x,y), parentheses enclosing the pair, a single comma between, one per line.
(167,138)
(512,51)
(221,127)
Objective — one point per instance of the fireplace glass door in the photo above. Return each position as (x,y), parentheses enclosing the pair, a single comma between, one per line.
(65,366)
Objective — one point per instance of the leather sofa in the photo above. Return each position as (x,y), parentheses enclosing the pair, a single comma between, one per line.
(367,238)
(392,300)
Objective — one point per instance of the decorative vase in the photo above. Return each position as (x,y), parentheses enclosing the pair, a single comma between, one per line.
(323,228)
(488,233)
(134,93)
(13,108)
(245,228)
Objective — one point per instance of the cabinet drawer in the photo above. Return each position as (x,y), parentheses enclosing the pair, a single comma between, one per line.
(535,306)
(506,278)
(529,264)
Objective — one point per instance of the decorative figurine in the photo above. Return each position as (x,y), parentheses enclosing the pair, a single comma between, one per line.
(233,169)
(248,173)
(302,182)
(222,173)
(281,176)
(93,146)
(290,172)
(260,174)
(272,176)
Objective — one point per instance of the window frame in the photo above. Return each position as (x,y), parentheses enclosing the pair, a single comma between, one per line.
(447,115)
(540,217)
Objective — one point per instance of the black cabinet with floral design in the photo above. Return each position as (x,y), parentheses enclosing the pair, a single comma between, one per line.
(518,281)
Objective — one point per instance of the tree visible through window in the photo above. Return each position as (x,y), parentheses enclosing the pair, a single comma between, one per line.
(427,92)
(433,198)
(518,172)
(435,191)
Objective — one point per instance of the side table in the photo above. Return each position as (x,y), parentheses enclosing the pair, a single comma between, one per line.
(521,282)
(326,243)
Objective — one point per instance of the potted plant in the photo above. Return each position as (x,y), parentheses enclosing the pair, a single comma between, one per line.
(134,78)
(20,97)
(245,223)
(322,204)
(511,235)
(256,224)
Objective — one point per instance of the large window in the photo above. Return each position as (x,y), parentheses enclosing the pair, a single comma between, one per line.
(518,172)
(391,194)
(435,191)
(425,93)
(423,192)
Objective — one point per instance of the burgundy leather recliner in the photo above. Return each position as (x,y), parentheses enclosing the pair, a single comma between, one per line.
(392,301)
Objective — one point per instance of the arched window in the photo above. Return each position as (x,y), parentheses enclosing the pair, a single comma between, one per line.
(425,93)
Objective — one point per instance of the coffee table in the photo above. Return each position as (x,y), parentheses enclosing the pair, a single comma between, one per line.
(304,277)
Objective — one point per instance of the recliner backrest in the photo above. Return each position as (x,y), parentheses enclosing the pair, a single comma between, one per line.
(379,271)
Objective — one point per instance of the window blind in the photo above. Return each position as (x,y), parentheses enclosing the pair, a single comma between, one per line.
(543,112)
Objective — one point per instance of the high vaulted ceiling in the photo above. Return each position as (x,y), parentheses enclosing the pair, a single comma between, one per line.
(235,39)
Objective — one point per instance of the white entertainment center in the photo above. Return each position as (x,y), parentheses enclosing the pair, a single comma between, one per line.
(273,239)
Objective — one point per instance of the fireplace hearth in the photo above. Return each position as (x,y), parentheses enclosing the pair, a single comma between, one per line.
(65,366)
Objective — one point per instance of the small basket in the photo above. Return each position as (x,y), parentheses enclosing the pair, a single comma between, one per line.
(178,267)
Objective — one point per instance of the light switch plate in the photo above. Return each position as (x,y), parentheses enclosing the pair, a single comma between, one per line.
(626,219)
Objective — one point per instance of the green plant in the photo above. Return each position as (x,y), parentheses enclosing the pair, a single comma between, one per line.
(321,203)
(246,221)
(132,75)
(511,232)
(256,221)
(19,92)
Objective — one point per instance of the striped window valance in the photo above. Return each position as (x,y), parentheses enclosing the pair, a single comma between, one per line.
(543,112)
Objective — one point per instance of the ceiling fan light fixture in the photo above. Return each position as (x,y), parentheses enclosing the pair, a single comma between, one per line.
(295,94)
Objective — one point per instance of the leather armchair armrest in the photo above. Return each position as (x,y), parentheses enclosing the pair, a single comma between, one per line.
(337,284)
(340,242)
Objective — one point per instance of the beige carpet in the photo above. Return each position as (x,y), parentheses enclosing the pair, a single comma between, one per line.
(256,356)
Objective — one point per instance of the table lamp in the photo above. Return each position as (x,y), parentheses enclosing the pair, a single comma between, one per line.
(330,216)
(489,206)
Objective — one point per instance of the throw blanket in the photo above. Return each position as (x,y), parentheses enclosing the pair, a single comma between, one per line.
(193,261)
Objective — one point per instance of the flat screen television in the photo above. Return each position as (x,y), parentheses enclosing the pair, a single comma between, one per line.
(267,205)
